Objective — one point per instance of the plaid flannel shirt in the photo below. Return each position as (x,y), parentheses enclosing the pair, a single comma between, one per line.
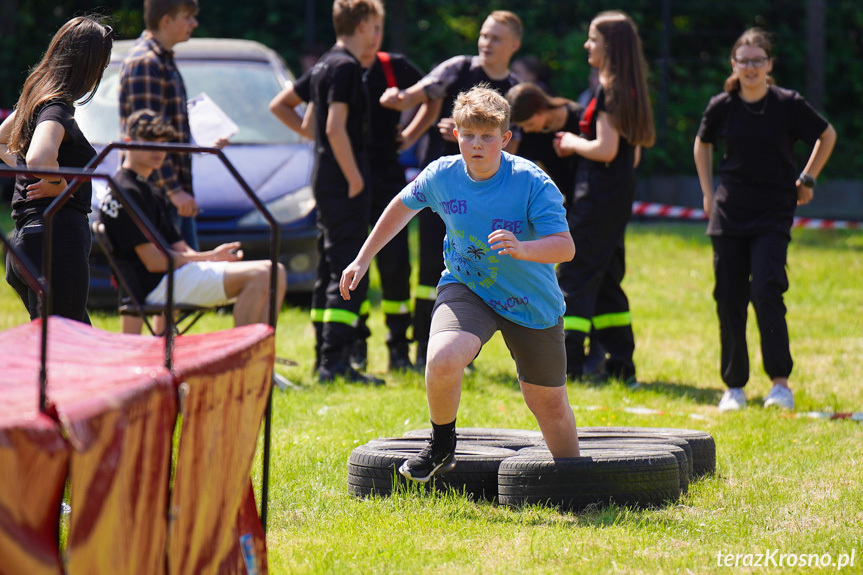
(149,78)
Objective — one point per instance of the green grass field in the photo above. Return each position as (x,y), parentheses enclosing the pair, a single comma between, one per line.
(786,484)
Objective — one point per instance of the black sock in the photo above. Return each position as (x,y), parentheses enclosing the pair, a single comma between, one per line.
(444,434)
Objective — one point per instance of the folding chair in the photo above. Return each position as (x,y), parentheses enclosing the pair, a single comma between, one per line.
(131,301)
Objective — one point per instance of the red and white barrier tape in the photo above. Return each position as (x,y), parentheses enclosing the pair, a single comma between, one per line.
(682,213)
(666,211)
(853,416)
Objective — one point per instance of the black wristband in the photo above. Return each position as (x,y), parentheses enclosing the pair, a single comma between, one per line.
(807,180)
(55,182)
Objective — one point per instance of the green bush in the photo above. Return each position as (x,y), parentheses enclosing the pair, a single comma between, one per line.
(699,36)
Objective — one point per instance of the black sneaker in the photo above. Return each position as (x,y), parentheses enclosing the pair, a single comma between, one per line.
(327,374)
(432,460)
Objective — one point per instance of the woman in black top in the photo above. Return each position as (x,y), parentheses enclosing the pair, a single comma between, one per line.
(752,209)
(616,123)
(540,117)
(42,133)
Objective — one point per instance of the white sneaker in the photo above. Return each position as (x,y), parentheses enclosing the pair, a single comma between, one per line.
(780,396)
(734,399)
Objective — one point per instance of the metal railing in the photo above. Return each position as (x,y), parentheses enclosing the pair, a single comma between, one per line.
(40,286)
(79,176)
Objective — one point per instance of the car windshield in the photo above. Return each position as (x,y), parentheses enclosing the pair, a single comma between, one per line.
(242,89)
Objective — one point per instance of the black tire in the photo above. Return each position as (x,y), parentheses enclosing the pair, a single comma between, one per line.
(507,438)
(684,464)
(702,443)
(625,440)
(513,444)
(373,468)
(623,477)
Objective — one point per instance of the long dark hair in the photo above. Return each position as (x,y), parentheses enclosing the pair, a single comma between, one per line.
(527,99)
(624,78)
(70,69)
(752,37)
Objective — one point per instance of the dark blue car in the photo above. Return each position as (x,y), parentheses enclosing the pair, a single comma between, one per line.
(242,77)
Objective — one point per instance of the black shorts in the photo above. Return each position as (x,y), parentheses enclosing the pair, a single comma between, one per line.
(539,354)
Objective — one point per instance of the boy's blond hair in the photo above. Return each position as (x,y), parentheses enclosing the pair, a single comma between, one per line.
(509,19)
(481,106)
(347,14)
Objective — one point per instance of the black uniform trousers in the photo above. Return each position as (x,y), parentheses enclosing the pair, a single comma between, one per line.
(70,267)
(387,179)
(432,231)
(751,268)
(591,288)
(343,225)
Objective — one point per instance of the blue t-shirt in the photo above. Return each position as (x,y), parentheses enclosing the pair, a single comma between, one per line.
(519,197)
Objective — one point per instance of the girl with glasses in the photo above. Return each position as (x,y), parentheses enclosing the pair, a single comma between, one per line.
(752,208)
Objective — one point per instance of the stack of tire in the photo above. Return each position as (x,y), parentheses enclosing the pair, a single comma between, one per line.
(627,466)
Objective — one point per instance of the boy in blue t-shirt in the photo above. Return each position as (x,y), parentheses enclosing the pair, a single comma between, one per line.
(506,228)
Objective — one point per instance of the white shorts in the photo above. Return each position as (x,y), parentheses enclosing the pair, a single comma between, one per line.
(196,283)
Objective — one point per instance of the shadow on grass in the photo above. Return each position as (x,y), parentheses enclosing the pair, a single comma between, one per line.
(459,505)
(598,515)
(679,390)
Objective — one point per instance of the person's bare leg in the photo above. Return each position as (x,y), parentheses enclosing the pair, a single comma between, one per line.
(550,406)
(449,352)
(249,282)
(160,324)
(131,324)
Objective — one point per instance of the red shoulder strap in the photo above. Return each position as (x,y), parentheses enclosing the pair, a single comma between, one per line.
(584,125)
(387,65)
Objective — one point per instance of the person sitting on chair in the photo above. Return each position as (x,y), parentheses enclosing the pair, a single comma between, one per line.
(206,279)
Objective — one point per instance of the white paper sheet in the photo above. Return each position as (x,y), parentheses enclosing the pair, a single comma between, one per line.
(208,122)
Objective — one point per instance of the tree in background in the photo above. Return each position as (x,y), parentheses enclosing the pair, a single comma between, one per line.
(697,34)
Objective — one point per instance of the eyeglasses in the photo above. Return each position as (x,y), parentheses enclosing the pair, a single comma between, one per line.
(754,62)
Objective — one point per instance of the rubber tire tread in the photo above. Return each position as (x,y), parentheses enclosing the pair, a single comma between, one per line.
(623,477)
(475,472)
(513,444)
(683,463)
(489,436)
(624,440)
(702,443)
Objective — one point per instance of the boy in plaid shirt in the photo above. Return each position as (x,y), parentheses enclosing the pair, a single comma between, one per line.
(149,79)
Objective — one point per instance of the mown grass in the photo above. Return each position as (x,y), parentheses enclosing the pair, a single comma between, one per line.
(791,484)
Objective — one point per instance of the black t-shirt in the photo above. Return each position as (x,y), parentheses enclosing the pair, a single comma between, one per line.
(758,172)
(383,145)
(337,77)
(609,183)
(538,147)
(447,81)
(74,152)
(125,235)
